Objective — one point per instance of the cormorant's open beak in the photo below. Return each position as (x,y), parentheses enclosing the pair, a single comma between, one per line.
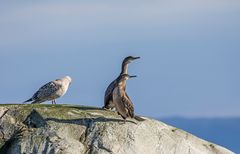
(133,76)
(136,58)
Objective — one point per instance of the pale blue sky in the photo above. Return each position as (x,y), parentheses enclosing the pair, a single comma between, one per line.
(190,52)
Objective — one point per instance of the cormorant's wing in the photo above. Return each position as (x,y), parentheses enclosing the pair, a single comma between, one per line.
(128,97)
(46,91)
(135,117)
(128,105)
(108,93)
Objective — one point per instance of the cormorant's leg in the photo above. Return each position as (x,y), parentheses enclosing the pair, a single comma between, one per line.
(55,101)
(52,101)
(3,136)
(124,118)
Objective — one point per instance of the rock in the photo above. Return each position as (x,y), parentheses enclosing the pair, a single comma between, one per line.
(64,129)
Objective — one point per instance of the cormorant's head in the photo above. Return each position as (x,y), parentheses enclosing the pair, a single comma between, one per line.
(129,59)
(124,77)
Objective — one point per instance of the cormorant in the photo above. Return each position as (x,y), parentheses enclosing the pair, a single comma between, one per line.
(121,100)
(108,100)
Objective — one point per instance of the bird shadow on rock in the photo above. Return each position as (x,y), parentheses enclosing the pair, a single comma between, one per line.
(34,120)
(87,121)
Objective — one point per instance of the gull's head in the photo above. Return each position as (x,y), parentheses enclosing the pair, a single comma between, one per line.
(129,59)
(68,78)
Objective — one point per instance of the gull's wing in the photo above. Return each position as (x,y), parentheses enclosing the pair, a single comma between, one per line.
(46,91)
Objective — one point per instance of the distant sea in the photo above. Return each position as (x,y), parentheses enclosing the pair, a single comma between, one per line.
(221,131)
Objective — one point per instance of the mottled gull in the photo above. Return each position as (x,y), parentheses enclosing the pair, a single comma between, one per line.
(51,91)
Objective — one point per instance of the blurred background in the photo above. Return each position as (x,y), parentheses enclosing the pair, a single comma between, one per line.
(188,74)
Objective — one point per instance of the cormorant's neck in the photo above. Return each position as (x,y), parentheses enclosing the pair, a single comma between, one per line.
(124,69)
(122,85)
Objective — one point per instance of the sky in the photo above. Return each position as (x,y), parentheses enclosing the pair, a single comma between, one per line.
(189,51)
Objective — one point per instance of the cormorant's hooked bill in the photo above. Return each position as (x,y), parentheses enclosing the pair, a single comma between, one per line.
(132,76)
(136,58)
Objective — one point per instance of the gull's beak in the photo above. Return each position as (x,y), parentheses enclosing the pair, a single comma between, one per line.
(133,76)
(136,58)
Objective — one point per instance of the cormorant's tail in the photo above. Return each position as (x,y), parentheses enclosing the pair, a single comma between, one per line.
(139,118)
(29,100)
